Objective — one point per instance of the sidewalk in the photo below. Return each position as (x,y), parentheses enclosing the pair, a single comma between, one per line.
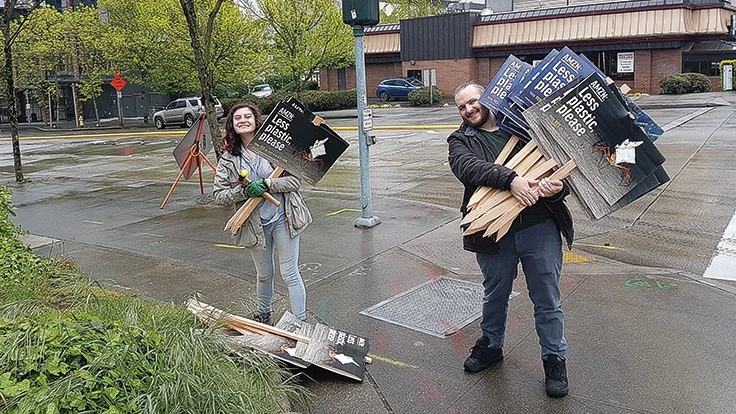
(639,337)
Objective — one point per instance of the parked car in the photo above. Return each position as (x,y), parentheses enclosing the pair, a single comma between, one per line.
(397,88)
(262,91)
(183,111)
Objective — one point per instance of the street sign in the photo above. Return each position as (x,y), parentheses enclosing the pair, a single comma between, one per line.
(117,82)
(367,119)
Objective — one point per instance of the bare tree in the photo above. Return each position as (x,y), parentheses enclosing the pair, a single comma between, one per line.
(202,48)
(9,36)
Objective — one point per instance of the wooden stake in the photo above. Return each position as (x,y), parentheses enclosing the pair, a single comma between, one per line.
(211,313)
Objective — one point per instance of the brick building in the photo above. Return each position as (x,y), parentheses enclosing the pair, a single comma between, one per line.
(633,42)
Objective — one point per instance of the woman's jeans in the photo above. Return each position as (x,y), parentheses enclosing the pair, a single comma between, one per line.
(279,241)
(539,248)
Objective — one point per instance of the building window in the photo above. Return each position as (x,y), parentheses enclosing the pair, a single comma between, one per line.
(416,74)
(706,68)
(620,65)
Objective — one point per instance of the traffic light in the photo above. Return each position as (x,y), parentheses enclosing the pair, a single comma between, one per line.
(360,12)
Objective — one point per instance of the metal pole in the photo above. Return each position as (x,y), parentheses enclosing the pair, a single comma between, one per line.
(51,113)
(120,108)
(28,109)
(367,220)
(74,102)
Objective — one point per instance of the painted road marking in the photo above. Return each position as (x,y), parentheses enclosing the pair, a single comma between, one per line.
(229,246)
(392,361)
(92,222)
(153,235)
(598,246)
(723,265)
(570,257)
(342,210)
(88,136)
(170,133)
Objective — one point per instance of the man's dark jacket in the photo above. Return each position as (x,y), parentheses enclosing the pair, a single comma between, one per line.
(472,161)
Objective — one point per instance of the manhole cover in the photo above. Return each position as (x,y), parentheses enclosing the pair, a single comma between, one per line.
(437,307)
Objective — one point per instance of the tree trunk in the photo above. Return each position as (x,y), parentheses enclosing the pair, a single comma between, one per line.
(206,81)
(97,111)
(145,95)
(10,90)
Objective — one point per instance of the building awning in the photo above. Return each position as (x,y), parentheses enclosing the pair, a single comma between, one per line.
(643,24)
(382,43)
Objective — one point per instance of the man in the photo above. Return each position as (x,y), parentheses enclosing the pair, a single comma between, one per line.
(534,239)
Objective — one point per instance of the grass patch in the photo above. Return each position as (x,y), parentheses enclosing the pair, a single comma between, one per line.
(67,346)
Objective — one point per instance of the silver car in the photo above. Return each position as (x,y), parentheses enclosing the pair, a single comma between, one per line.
(262,91)
(183,111)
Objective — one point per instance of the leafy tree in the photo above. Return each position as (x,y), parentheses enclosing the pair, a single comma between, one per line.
(304,36)
(224,47)
(395,10)
(9,36)
(87,39)
(144,40)
(39,53)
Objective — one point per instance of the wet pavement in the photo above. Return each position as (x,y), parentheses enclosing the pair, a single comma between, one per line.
(646,332)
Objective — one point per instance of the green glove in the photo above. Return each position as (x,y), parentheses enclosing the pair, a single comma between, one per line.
(255,188)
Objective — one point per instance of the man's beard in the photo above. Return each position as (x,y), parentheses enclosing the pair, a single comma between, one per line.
(484,114)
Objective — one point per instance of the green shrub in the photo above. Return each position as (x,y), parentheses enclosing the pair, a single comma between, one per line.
(697,82)
(69,347)
(685,83)
(673,84)
(421,97)
(314,100)
(16,259)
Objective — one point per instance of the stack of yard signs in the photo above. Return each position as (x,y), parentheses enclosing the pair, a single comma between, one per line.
(573,114)
(585,122)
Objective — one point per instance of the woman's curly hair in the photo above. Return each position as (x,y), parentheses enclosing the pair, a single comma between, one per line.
(231,142)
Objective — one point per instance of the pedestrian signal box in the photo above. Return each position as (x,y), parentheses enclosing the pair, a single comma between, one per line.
(360,12)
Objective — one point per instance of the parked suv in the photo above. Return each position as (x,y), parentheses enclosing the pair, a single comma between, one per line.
(397,88)
(183,111)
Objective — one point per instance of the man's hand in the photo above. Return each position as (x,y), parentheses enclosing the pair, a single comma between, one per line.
(548,188)
(255,188)
(521,188)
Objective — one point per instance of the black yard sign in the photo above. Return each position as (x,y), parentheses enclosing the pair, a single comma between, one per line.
(294,139)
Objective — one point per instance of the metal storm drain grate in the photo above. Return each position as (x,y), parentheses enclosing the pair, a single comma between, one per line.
(437,307)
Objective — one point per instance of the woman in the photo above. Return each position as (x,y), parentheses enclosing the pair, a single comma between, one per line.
(273,232)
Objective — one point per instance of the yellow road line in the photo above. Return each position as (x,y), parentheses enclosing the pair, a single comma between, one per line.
(87,136)
(180,133)
(334,213)
(570,257)
(392,361)
(229,246)
(598,246)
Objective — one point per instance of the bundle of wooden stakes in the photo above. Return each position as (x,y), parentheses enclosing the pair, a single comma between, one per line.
(246,209)
(210,315)
(493,210)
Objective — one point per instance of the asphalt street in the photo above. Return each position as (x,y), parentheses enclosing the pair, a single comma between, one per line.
(647,331)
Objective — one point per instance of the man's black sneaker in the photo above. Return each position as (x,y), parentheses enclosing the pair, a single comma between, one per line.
(481,356)
(555,376)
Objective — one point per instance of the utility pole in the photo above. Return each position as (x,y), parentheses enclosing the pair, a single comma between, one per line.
(359,13)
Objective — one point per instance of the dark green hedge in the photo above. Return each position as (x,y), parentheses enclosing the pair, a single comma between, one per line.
(685,83)
(314,100)
(421,97)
